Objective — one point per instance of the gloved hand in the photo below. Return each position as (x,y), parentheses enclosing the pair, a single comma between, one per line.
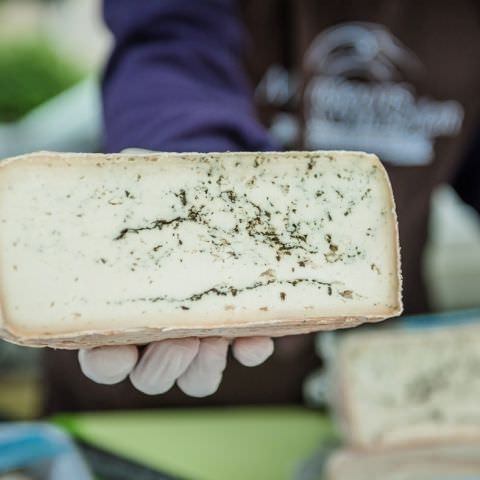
(196,365)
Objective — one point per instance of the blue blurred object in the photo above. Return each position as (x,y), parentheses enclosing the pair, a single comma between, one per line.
(435,320)
(43,450)
(22,445)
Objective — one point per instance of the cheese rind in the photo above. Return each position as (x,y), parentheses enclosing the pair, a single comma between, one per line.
(102,249)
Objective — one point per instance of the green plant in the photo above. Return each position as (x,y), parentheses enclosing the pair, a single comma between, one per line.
(30,73)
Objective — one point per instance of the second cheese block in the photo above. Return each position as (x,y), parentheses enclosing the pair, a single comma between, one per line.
(112,249)
(402,387)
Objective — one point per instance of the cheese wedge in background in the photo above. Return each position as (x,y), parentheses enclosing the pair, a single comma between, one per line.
(401,387)
(115,249)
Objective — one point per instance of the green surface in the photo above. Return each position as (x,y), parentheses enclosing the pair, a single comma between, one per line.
(208,444)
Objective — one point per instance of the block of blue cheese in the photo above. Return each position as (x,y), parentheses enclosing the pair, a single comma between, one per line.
(396,388)
(116,249)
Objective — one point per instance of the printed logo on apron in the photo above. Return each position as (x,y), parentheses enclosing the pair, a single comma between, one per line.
(358,97)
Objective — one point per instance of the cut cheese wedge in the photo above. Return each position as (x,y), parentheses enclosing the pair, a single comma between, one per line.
(396,387)
(117,249)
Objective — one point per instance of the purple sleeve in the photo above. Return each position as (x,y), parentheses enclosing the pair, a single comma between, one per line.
(467,180)
(175,80)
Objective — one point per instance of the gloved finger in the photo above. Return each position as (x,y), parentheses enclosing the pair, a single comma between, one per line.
(204,374)
(252,351)
(162,363)
(108,365)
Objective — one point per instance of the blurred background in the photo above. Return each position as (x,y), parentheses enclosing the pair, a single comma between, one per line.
(51,54)
(51,57)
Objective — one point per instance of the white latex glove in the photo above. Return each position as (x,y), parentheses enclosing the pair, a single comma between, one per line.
(196,365)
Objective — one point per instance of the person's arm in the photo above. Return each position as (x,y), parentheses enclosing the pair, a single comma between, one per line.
(175,80)
(175,83)
(467,179)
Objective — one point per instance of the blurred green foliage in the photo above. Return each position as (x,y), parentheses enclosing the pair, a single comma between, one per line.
(31,71)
